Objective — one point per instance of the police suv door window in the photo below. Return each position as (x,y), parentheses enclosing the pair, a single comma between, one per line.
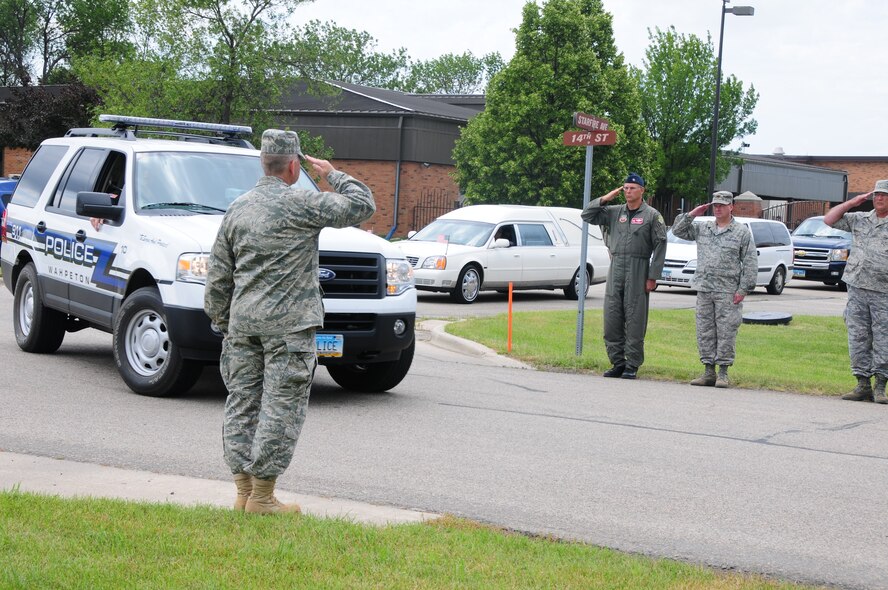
(81,176)
(35,177)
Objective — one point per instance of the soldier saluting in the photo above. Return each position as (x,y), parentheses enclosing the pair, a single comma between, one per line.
(636,238)
(263,294)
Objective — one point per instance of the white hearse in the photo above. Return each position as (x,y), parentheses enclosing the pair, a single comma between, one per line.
(486,247)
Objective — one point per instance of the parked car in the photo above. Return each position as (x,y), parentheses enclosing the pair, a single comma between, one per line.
(820,252)
(7,185)
(773,247)
(486,247)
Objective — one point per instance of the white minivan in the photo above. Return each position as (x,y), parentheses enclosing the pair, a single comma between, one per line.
(773,248)
(486,247)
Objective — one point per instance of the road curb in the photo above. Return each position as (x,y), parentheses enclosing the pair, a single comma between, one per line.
(437,336)
(71,479)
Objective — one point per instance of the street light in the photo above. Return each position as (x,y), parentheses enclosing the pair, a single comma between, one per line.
(738,11)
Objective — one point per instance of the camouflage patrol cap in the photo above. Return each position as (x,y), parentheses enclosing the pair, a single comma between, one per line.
(281,143)
(881,186)
(722,198)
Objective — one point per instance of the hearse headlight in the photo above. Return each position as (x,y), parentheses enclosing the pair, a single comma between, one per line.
(398,276)
(193,268)
(435,262)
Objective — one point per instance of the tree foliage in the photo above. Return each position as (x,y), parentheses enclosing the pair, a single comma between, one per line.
(565,61)
(454,74)
(34,113)
(18,36)
(677,85)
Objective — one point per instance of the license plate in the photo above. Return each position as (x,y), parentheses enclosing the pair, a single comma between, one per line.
(798,272)
(667,273)
(329,344)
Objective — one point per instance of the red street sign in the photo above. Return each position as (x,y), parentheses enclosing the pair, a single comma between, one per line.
(590,138)
(590,122)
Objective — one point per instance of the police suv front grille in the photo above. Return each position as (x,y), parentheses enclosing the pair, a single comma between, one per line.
(349,322)
(357,275)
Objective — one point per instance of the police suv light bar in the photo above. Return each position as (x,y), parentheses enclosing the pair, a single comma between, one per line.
(122,122)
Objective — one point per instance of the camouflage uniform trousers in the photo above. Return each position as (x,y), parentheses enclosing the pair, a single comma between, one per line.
(866,317)
(269,381)
(718,320)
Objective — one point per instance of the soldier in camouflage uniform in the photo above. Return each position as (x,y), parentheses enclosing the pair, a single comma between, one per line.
(263,294)
(636,238)
(726,271)
(866,314)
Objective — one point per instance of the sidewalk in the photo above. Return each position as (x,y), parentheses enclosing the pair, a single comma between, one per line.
(29,473)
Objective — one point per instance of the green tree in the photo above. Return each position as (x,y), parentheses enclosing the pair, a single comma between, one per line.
(565,61)
(677,85)
(18,38)
(454,74)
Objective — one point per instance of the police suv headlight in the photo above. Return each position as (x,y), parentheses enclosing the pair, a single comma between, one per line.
(435,262)
(838,254)
(193,268)
(398,276)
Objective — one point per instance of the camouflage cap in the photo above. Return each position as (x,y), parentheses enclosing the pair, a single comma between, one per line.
(722,198)
(881,186)
(280,142)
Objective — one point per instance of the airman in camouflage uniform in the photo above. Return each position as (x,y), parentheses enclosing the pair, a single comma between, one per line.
(726,271)
(636,238)
(263,294)
(866,274)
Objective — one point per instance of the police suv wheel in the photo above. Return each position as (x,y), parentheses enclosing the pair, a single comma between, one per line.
(373,377)
(37,328)
(146,357)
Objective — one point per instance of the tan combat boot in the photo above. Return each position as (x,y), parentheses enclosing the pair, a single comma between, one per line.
(862,393)
(879,390)
(244,483)
(722,380)
(262,500)
(707,378)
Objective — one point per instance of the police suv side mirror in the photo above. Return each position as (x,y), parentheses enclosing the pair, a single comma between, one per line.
(98,205)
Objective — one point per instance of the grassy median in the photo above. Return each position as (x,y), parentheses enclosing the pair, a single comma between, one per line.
(809,355)
(48,542)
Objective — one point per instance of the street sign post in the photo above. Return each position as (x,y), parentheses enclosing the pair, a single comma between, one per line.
(596,132)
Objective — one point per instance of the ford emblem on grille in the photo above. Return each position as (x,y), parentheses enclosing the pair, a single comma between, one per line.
(325,274)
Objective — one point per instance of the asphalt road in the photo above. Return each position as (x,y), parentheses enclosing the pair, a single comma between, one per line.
(788,485)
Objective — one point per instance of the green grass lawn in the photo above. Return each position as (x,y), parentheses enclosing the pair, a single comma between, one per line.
(810,355)
(48,542)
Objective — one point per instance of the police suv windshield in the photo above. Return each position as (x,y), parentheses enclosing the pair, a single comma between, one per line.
(195,181)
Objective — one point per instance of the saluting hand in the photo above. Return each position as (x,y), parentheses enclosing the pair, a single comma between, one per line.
(609,196)
(699,210)
(321,167)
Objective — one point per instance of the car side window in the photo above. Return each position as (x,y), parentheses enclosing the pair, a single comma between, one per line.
(43,163)
(761,234)
(781,234)
(534,234)
(82,175)
(507,232)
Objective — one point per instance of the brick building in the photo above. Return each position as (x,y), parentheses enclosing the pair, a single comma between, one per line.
(400,144)
(863,171)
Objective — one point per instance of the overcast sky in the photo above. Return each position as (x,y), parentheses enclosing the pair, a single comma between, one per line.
(818,65)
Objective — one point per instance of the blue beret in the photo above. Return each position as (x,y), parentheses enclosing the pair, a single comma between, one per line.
(634,178)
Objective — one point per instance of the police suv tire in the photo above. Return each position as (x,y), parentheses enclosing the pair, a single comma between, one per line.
(468,285)
(147,360)
(373,377)
(37,327)
(778,281)
(571,291)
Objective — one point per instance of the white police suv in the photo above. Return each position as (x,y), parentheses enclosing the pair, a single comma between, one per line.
(162,187)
